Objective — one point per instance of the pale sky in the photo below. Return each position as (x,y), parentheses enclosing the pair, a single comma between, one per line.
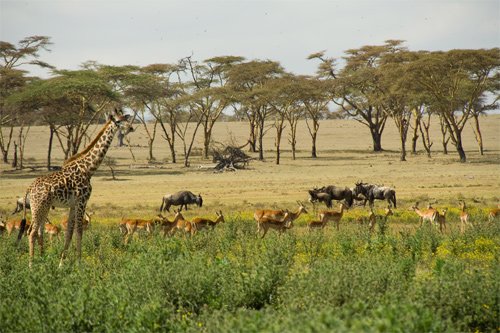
(118,32)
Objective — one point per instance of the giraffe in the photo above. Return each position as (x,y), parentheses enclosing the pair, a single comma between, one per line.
(69,187)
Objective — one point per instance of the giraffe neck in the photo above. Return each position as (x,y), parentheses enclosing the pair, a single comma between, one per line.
(94,154)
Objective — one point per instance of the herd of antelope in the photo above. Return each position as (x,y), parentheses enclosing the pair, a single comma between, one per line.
(279,220)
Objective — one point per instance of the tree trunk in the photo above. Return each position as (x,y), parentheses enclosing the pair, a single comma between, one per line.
(402,134)
(49,150)
(172,152)
(444,138)
(253,135)
(403,151)
(120,136)
(313,148)
(477,133)
(278,150)
(261,146)
(414,138)
(460,148)
(6,145)
(377,140)
(279,134)
(206,142)
(150,149)
(14,159)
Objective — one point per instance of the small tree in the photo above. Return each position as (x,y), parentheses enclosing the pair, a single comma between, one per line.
(111,164)
(12,80)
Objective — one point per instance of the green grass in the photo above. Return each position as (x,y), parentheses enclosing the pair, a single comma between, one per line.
(394,280)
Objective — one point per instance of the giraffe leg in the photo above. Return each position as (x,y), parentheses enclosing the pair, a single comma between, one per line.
(69,234)
(37,219)
(40,237)
(79,229)
(31,239)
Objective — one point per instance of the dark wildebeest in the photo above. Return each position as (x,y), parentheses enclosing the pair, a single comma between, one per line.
(328,193)
(372,192)
(182,198)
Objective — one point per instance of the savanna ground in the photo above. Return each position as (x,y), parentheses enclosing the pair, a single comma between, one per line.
(399,278)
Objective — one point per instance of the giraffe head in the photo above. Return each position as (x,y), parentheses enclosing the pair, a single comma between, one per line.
(121,121)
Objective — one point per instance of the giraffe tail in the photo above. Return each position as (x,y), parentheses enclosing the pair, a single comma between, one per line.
(22,227)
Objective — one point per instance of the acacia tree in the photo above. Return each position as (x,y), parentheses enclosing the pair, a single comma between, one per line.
(12,79)
(288,96)
(76,99)
(455,81)
(358,87)
(282,99)
(208,82)
(189,117)
(480,108)
(165,106)
(314,95)
(248,83)
(142,91)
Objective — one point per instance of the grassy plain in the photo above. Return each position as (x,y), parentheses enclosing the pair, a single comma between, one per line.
(401,278)
(344,157)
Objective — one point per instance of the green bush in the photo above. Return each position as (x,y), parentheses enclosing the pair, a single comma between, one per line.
(229,280)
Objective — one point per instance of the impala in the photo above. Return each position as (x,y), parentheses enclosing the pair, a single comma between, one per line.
(52,230)
(2,226)
(200,223)
(464,217)
(316,224)
(129,226)
(179,223)
(429,214)
(493,214)
(441,219)
(372,218)
(277,215)
(268,222)
(15,224)
(334,216)
(86,221)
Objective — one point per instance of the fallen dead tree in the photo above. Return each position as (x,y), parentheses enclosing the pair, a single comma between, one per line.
(230,158)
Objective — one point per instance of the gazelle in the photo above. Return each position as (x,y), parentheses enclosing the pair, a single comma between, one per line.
(441,219)
(493,214)
(179,223)
(316,224)
(268,222)
(86,221)
(200,223)
(425,215)
(129,226)
(372,218)
(278,215)
(334,216)
(464,217)
(52,230)
(2,225)
(15,225)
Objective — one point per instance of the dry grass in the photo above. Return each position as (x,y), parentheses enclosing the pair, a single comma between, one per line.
(344,149)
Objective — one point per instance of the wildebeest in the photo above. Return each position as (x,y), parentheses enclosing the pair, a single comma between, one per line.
(182,198)
(372,192)
(20,205)
(328,193)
